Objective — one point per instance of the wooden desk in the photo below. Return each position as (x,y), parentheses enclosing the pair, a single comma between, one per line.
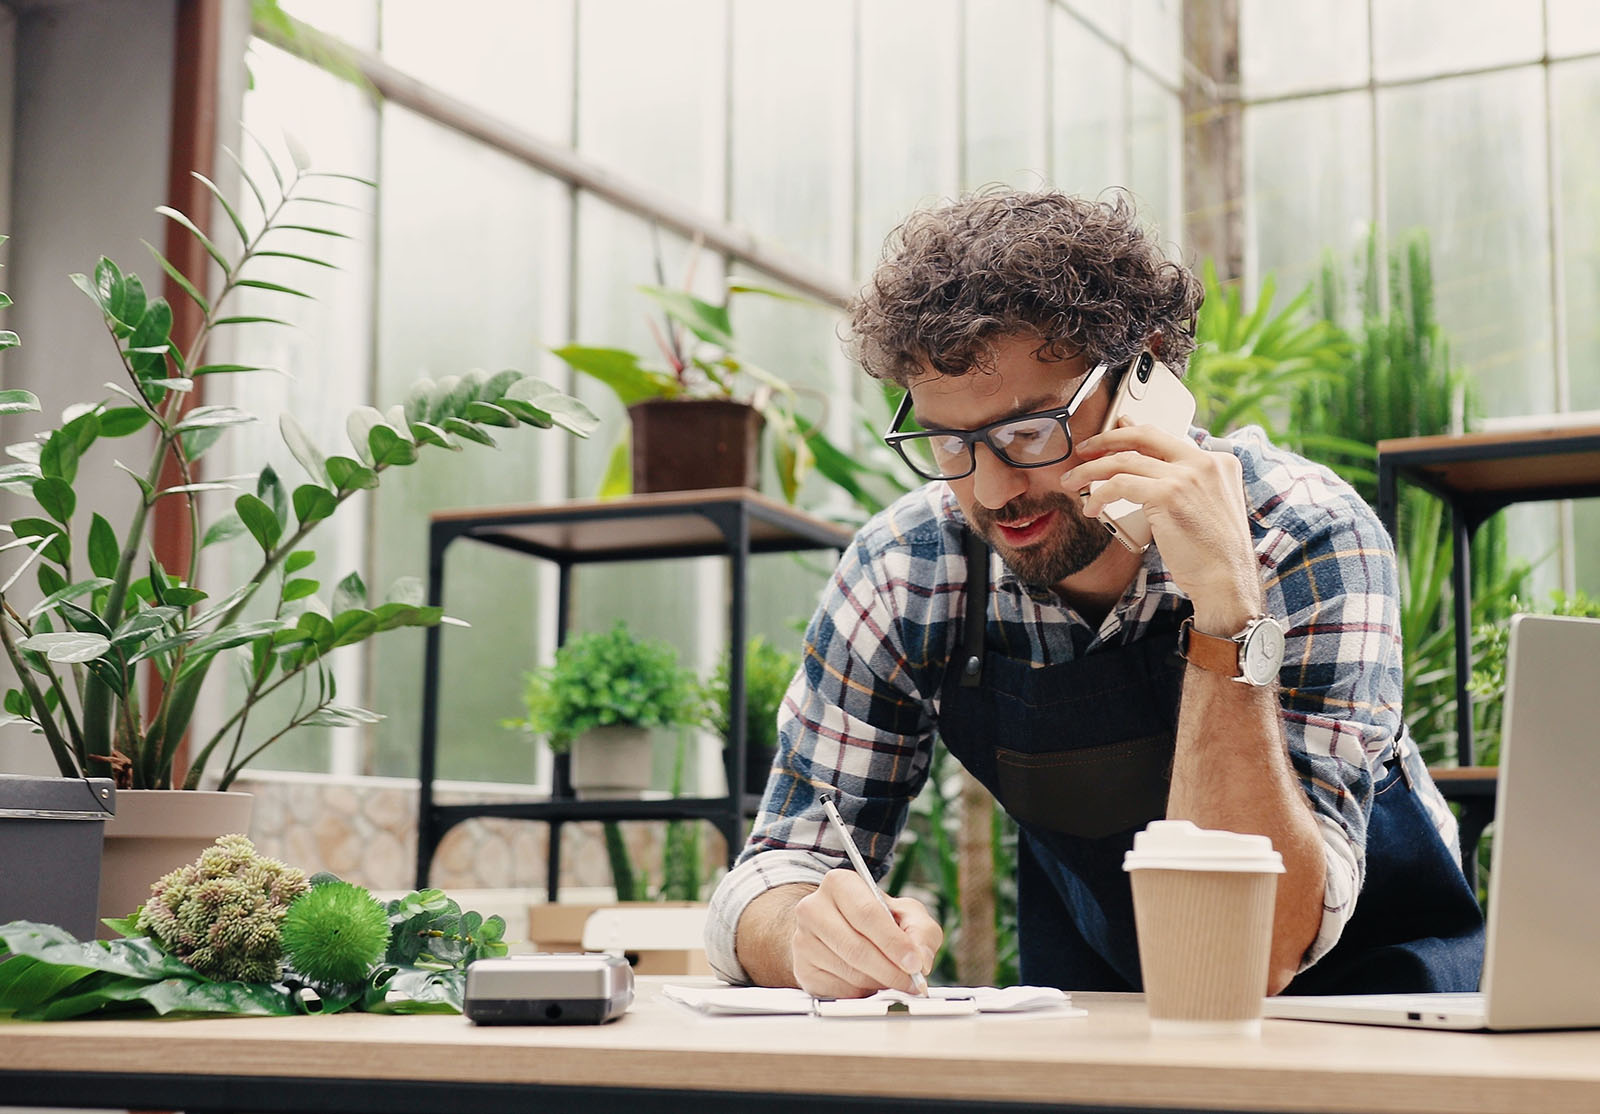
(662,1058)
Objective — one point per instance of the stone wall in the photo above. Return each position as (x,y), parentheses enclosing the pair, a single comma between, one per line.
(365,831)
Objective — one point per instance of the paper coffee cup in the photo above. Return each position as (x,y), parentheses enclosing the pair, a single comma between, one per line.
(1202,908)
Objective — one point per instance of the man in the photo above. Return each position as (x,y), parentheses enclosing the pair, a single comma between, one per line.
(1091,686)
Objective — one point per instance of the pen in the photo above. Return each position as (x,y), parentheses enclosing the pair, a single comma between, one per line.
(918,983)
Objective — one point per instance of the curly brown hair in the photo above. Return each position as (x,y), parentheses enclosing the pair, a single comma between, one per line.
(1083,276)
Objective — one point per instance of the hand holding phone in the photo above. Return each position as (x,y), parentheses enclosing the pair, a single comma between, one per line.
(1149,394)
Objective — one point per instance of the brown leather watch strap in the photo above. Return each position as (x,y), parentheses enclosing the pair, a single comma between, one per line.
(1208,651)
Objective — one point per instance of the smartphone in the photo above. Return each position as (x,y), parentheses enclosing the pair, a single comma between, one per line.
(1149,394)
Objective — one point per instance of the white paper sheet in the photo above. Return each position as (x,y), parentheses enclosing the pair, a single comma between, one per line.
(942,1001)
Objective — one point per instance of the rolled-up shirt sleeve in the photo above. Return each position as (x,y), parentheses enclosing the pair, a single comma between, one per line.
(854,724)
(1334,582)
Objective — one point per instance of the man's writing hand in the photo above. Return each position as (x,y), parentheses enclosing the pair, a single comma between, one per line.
(846,946)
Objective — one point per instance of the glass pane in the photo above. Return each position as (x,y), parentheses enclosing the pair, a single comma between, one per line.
(674,140)
(1091,109)
(791,185)
(1154,37)
(1308,186)
(327,353)
(1462,161)
(791,160)
(521,72)
(1310,44)
(665,129)
(1109,17)
(1155,162)
(910,98)
(354,21)
(1586,545)
(1576,95)
(1574,26)
(8,87)
(1533,535)
(1423,37)
(676,146)
(490,236)
(1006,96)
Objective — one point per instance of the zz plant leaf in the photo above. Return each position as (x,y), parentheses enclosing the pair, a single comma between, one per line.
(105,619)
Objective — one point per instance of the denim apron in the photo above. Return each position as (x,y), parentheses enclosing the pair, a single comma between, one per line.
(1080,754)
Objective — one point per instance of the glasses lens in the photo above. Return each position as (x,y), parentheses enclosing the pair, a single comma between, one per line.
(937,455)
(1032,441)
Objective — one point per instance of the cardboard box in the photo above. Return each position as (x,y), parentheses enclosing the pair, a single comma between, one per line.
(658,937)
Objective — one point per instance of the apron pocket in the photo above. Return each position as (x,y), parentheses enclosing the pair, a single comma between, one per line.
(1089,792)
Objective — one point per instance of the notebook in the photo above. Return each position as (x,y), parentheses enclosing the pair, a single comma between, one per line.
(1540,970)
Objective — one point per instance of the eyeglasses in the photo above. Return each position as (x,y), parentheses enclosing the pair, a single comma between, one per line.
(1028,441)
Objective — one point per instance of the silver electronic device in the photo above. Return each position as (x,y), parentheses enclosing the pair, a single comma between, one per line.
(1539,970)
(555,988)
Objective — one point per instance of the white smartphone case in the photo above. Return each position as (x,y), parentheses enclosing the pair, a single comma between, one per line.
(1149,394)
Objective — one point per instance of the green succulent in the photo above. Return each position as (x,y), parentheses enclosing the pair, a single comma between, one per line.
(223,913)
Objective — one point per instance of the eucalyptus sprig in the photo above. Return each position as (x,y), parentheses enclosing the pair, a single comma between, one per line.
(79,651)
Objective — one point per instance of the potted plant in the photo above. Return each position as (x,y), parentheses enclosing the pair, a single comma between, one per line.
(598,700)
(111,660)
(767,673)
(696,422)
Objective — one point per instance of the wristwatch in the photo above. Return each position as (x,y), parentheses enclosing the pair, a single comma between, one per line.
(1251,657)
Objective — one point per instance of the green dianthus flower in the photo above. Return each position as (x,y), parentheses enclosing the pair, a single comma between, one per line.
(335,932)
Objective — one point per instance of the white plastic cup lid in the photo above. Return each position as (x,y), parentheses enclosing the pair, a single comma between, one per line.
(1180,845)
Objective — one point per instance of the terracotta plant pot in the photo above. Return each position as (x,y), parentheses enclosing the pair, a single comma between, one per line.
(156,831)
(611,762)
(694,444)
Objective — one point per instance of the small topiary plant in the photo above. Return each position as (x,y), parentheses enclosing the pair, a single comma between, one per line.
(223,913)
(609,678)
(767,673)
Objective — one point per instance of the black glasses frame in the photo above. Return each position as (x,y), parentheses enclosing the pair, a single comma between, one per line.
(970,437)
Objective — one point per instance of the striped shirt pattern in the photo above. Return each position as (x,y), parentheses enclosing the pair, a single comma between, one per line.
(861,715)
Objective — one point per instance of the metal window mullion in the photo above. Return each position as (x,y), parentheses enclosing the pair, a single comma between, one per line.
(1121,47)
(962,100)
(1380,200)
(1049,93)
(1566,529)
(1407,82)
(347,757)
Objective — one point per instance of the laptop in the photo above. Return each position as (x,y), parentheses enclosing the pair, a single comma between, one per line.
(1540,969)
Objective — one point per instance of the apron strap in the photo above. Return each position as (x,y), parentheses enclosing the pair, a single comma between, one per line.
(977,613)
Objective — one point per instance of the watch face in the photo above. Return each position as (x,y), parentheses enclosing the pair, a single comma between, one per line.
(1263,652)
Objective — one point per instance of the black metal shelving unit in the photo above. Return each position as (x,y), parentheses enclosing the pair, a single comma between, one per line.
(735,523)
(1478,475)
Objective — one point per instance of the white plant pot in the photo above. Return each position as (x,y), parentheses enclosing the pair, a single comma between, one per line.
(154,832)
(610,762)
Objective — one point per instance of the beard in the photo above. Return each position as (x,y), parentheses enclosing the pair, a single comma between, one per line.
(1072,546)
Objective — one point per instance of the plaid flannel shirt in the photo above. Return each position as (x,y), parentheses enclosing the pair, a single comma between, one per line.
(861,715)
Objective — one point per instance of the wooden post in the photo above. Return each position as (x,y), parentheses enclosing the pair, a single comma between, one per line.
(1213,153)
(975,950)
(193,148)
